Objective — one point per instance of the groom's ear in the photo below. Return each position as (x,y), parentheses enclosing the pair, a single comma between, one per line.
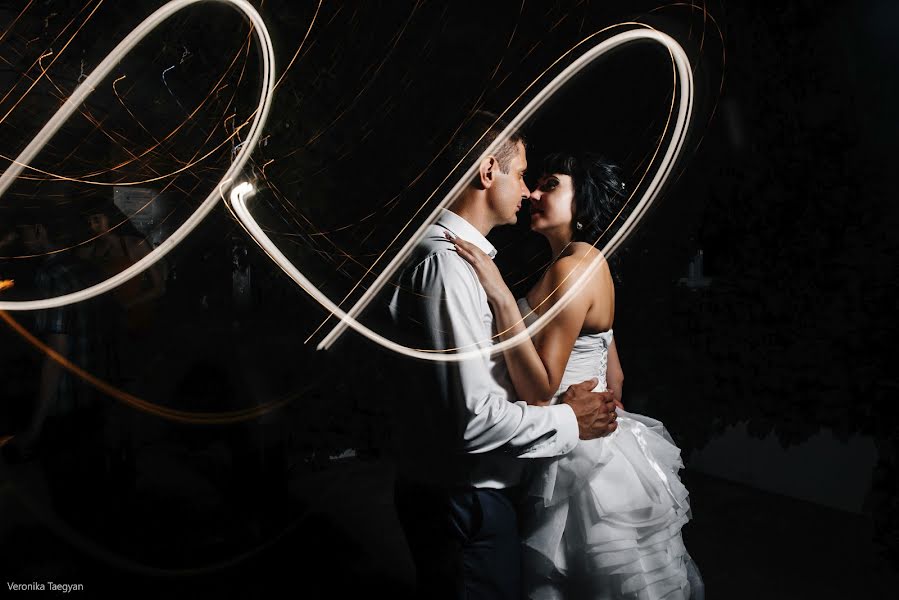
(487,172)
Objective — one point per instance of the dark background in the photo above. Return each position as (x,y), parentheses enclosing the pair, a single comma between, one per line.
(784,185)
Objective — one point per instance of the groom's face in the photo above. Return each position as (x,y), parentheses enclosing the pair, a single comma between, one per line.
(508,189)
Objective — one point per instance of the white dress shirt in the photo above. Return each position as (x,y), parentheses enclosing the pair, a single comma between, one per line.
(461,424)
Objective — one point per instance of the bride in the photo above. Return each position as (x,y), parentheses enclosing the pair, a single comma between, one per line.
(604,521)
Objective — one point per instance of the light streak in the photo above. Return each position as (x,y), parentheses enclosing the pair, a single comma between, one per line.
(16,20)
(241,191)
(402,232)
(86,177)
(239,194)
(44,71)
(166,84)
(81,94)
(171,414)
(684,77)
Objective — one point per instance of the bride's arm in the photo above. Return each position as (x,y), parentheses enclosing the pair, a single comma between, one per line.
(535,369)
(615,375)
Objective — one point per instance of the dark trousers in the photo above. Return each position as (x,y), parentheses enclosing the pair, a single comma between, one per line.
(464,542)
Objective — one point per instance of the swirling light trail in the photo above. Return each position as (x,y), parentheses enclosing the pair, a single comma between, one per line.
(88,86)
(684,77)
(427,201)
(240,193)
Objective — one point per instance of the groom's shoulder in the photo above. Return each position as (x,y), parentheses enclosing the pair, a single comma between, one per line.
(432,245)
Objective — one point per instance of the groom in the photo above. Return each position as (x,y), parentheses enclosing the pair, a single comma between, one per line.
(463,433)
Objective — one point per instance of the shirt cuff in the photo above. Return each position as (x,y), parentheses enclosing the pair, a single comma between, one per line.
(568,432)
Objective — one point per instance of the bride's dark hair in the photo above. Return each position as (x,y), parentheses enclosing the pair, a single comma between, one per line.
(598,191)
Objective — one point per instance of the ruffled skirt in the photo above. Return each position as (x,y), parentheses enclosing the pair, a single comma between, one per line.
(606,520)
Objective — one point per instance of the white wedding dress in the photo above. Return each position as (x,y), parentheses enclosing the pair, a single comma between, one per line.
(604,521)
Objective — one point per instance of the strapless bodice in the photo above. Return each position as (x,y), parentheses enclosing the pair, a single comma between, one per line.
(589,356)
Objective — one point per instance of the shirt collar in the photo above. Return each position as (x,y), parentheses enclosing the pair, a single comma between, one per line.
(461,228)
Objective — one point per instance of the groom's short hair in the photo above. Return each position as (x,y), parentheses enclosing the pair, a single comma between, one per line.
(477,133)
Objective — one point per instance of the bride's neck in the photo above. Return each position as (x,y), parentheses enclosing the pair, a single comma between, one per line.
(558,241)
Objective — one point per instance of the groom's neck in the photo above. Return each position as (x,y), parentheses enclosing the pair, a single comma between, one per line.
(476,213)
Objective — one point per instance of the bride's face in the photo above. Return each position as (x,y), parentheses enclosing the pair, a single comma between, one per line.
(552,202)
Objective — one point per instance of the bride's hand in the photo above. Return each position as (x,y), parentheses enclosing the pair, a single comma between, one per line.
(485,268)
(616,394)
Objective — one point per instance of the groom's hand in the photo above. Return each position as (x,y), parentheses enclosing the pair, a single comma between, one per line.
(595,411)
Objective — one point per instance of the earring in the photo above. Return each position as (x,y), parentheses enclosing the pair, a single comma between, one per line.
(578,225)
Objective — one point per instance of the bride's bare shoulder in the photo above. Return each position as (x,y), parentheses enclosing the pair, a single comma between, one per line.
(585,250)
(568,271)
(583,258)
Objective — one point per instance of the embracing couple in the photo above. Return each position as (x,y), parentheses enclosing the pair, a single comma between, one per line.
(520,474)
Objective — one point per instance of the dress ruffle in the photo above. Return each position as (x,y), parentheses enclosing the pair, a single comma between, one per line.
(607,518)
